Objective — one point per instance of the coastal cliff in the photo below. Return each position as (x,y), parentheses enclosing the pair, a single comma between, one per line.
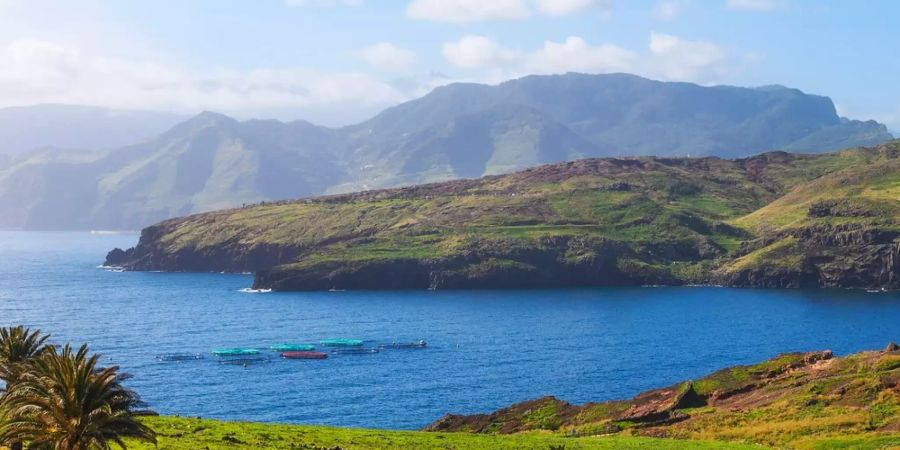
(772,220)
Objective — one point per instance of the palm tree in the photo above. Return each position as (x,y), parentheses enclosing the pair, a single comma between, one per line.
(67,403)
(19,346)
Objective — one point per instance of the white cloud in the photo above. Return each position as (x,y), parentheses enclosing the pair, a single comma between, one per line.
(39,65)
(35,71)
(680,59)
(462,11)
(576,55)
(323,2)
(667,57)
(478,52)
(468,11)
(572,55)
(386,56)
(754,5)
(670,9)
(566,7)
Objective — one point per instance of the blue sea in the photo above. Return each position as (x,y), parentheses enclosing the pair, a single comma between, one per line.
(487,349)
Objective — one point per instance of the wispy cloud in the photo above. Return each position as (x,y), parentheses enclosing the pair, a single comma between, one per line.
(37,71)
(755,5)
(667,57)
(96,61)
(572,55)
(469,11)
(676,58)
(462,11)
(323,2)
(567,7)
(670,9)
(388,57)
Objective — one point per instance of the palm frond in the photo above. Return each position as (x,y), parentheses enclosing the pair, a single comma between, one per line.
(66,402)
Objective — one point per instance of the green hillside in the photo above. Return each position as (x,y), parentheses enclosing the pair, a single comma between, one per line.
(590,222)
(867,187)
(848,219)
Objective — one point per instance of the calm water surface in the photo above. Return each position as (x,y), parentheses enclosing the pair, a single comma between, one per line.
(486,349)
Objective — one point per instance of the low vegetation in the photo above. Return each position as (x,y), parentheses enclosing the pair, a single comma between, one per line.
(175,433)
(797,400)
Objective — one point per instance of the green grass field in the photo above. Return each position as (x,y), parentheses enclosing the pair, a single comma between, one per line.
(192,434)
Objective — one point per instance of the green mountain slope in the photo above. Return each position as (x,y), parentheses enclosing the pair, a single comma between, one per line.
(583,223)
(840,225)
(456,131)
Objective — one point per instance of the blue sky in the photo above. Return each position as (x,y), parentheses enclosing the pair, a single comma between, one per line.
(338,61)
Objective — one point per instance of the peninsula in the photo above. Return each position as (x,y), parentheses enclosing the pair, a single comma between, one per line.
(776,220)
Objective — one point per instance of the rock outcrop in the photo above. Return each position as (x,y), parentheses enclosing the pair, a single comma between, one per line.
(830,256)
(491,267)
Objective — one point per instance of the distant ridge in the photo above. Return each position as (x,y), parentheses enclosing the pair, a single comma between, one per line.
(457,131)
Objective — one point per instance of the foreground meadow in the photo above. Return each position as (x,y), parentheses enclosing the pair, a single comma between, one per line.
(176,433)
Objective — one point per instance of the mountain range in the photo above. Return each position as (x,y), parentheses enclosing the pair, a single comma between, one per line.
(457,131)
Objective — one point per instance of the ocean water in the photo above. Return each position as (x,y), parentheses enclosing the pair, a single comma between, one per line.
(487,349)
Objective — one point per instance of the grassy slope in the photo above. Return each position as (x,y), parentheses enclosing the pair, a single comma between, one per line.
(192,434)
(803,401)
(607,221)
(869,180)
(865,194)
(638,201)
(505,205)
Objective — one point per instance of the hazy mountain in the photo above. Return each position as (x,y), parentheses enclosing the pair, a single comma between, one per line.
(598,115)
(27,128)
(456,131)
(208,162)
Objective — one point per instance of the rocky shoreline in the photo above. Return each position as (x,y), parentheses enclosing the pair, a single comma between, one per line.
(870,261)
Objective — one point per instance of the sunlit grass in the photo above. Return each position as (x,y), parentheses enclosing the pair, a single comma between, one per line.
(192,434)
